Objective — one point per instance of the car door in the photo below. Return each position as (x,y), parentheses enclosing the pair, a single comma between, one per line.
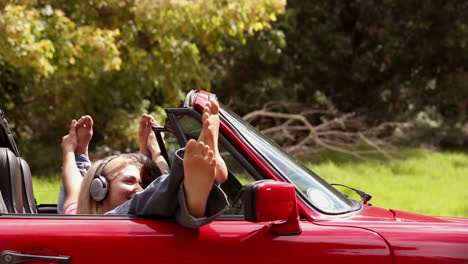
(79,239)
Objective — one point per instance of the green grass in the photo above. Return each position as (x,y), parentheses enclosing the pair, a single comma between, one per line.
(46,189)
(419,181)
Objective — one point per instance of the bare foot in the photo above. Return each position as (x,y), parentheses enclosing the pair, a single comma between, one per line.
(199,170)
(210,131)
(210,135)
(148,142)
(84,133)
(69,142)
(144,130)
(152,144)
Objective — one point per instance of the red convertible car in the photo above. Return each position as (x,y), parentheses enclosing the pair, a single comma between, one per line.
(281,212)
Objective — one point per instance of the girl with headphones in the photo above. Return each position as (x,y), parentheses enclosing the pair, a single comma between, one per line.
(115,184)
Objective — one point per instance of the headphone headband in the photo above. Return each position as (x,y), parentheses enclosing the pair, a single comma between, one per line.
(103,163)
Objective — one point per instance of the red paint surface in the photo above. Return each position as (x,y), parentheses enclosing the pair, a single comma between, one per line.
(150,241)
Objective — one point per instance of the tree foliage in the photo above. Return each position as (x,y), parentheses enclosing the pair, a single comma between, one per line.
(111,59)
(390,59)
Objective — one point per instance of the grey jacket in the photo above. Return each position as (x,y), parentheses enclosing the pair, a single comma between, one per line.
(165,197)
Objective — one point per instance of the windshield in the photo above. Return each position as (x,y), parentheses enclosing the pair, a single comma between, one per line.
(314,189)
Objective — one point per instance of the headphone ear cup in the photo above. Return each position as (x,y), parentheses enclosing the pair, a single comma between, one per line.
(99,188)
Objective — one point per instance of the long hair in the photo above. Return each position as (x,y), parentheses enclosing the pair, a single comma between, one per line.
(148,171)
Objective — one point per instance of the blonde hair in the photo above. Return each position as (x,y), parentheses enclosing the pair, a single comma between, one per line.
(86,204)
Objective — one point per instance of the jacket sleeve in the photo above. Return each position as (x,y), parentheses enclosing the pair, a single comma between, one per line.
(216,205)
(159,198)
(165,197)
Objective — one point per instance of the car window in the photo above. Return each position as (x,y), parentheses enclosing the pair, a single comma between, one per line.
(238,176)
(321,195)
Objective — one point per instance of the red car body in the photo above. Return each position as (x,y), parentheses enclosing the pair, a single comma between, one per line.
(278,223)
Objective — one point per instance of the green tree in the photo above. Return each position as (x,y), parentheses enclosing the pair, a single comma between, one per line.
(111,59)
(390,59)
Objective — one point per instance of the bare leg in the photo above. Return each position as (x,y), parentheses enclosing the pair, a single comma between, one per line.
(210,135)
(199,171)
(143,132)
(84,133)
(70,174)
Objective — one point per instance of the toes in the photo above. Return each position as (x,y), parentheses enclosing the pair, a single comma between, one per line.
(206,124)
(213,163)
(88,121)
(205,150)
(79,123)
(210,156)
(149,122)
(211,108)
(190,147)
(73,126)
(153,121)
(142,122)
(214,107)
(205,117)
(145,123)
(85,122)
(200,148)
(206,109)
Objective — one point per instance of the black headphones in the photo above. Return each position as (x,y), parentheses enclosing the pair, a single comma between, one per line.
(99,186)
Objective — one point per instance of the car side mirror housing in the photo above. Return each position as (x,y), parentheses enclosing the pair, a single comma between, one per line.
(269,201)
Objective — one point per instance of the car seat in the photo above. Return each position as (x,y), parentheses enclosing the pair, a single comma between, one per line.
(28,195)
(10,181)
(13,175)
(3,208)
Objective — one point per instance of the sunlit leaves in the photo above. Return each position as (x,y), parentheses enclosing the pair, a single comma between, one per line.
(21,44)
(45,41)
(60,59)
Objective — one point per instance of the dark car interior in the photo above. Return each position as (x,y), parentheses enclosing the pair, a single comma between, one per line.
(15,175)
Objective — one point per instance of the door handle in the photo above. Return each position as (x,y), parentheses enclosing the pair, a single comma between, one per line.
(12,257)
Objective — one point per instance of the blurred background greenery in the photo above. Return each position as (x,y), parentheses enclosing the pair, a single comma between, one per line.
(387,61)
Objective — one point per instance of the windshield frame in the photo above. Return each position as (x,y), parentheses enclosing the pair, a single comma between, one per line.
(233,120)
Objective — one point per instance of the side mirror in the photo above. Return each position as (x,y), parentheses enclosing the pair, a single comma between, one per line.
(267,201)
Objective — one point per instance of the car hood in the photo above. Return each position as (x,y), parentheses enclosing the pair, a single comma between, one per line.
(413,238)
(374,213)
(412,217)
(454,219)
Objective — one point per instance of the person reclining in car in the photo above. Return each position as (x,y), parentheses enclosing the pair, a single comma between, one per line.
(187,192)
